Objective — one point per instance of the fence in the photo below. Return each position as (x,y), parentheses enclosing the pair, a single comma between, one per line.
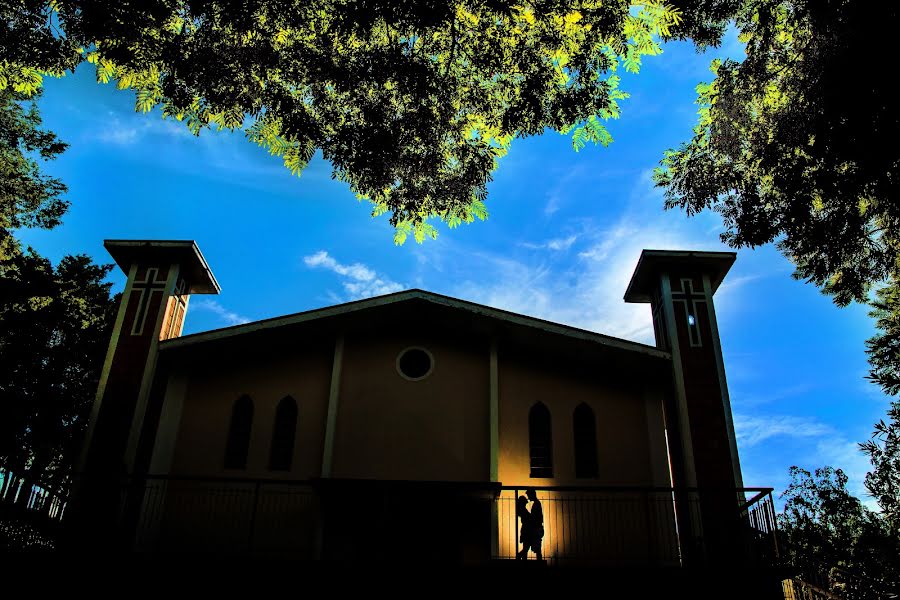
(225,516)
(580,525)
(30,513)
(639,526)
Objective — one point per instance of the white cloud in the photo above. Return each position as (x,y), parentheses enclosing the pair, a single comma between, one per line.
(553,201)
(231,318)
(558,195)
(557,244)
(757,397)
(844,454)
(356,271)
(120,133)
(359,280)
(755,429)
(588,294)
(562,244)
(732,283)
(826,447)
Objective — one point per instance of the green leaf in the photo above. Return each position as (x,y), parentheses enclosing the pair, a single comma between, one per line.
(146,100)
(592,131)
(403,229)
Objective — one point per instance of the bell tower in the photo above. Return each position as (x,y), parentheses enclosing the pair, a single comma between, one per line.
(679,286)
(162,275)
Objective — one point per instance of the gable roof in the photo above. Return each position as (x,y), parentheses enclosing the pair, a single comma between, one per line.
(406,296)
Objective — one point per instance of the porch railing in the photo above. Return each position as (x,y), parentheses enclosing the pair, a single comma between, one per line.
(640,526)
(221,516)
(581,525)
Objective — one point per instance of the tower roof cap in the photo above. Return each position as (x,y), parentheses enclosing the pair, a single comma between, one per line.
(654,262)
(184,252)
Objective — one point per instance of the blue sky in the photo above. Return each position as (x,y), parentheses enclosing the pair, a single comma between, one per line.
(564,235)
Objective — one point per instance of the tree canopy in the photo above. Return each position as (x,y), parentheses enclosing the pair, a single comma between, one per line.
(54,322)
(883,449)
(412,103)
(54,330)
(797,143)
(28,197)
(836,542)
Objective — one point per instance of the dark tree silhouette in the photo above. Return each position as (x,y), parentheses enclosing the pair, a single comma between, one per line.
(54,330)
(835,541)
(411,102)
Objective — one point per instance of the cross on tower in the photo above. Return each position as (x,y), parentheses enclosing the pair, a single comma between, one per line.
(689,299)
(148,286)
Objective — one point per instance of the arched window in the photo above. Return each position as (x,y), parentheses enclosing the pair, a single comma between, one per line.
(283,435)
(540,442)
(239,433)
(584,427)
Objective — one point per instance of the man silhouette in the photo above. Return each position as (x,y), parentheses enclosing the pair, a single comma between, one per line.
(536,524)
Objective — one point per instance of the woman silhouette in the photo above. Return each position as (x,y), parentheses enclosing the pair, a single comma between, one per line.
(525,533)
(535,524)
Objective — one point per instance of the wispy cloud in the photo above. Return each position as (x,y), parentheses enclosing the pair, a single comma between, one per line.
(554,199)
(587,293)
(227,316)
(556,244)
(560,193)
(840,452)
(126,132)
(224,155)
(732,283)
(119,135)
(359,280)
(356,271)
(756,399)
(813,444)
(755,429)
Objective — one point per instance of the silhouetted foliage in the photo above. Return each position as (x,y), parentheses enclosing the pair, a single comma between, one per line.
(884,347)
(54,322)
(28,198)
(883,481)
(411,102)
(834,540)
(783,154)
(54,330)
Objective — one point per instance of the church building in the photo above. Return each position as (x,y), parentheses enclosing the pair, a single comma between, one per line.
(421,426)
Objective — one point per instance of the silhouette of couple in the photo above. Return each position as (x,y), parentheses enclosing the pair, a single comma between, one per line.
(532,532)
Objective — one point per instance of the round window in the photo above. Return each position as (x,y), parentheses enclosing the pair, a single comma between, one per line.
(415,363)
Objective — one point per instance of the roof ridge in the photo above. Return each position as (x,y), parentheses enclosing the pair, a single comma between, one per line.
(412,293)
